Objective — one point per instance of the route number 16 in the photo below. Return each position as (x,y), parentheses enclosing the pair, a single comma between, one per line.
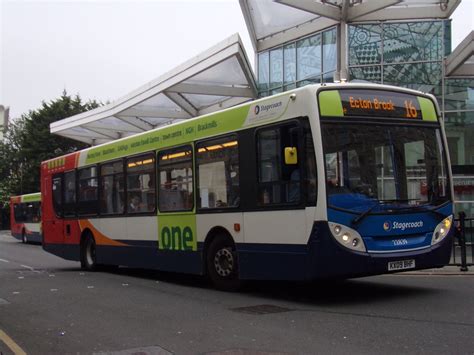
(411,111)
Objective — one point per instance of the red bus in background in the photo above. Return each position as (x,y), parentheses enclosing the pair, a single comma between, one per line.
(25,217)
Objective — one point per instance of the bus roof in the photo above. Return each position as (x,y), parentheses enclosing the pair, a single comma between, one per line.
(208,125)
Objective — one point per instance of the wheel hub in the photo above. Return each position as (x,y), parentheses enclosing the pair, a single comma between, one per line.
(224,262)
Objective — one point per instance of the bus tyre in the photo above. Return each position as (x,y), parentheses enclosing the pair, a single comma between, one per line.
(222,264)
(24,238)
(88,254)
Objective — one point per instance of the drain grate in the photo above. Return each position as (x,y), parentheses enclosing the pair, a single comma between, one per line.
(261,309)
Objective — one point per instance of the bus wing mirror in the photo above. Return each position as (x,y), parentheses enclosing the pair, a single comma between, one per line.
(291,156)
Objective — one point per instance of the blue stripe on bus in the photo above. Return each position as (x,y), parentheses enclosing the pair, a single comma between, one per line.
(321,257)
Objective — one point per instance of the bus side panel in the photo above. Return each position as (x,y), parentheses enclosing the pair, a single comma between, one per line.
(189,262)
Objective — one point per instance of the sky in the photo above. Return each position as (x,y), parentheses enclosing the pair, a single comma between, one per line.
(105,49)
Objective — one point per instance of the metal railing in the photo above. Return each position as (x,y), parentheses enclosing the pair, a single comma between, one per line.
(463,243)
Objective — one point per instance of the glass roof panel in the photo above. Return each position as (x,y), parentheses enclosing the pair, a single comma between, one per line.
(113,123)
(269,17)
(201,101)
(160,101)
(228,72)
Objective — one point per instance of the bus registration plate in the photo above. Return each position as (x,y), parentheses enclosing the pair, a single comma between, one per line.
(401,265)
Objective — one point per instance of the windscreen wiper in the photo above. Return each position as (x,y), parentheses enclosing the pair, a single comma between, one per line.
(364,214)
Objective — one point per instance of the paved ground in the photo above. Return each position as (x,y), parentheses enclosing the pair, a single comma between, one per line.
(49,306)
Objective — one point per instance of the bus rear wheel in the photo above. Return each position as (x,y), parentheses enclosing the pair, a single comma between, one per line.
(88,254)
(222,264)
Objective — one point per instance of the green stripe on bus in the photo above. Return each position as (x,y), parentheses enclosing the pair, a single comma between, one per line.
(428,111)
(184,132)
(31,197)
(330,103)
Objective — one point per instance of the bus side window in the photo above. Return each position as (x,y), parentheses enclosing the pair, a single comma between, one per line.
(218,173)
(88,191)
(57,195)
(141,175)
(175,174)
(69,199)
(112,188)
(278,182)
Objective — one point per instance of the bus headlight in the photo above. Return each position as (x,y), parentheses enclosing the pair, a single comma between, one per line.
(442,230)
(347,237)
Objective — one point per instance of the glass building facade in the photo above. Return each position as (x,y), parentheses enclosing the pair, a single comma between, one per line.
(309,60)
(406,54)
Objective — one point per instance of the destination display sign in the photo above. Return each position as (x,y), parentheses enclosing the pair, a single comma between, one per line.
(380,104)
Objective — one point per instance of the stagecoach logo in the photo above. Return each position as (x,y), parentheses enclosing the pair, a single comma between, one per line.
(388,226)
(271,109)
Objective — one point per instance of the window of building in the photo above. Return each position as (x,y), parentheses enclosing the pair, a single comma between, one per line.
(175,174)
(87,191)
(69,206)
(278,183)
(263,71)
(141,189)
(308,60)
(218,173)
(459,119)
(112,194)
(407,54)
(308,54)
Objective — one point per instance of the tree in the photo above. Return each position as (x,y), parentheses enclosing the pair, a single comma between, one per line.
(28,142)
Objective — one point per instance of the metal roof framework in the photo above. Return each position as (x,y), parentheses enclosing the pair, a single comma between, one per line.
(271,23)
(461,61)
(216,79)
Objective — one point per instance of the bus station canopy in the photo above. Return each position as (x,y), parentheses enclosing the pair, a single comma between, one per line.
(271,23)
(461,61)
(216,79)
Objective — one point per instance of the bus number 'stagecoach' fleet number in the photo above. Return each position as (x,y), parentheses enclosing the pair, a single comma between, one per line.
(380,104)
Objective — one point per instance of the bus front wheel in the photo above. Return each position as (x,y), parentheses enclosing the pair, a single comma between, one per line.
(88,254)
(222,264)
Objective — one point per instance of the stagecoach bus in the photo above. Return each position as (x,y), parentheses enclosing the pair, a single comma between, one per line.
(25,217)
(325,181)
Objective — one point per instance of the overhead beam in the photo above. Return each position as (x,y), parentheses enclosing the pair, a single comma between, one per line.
(324,10)
(136,122)
(291,34)
(460,55)
(433,11)
(249,22)
(368,7)
(183,103)
(466,69)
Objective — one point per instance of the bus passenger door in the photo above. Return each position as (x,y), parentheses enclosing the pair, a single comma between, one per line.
(52,224)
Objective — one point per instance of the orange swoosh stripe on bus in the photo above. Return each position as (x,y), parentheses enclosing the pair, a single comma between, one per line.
(100,239)
(76,159)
